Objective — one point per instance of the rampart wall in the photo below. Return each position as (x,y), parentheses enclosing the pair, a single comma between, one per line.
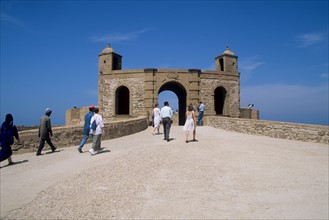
(72,135)
(283,130)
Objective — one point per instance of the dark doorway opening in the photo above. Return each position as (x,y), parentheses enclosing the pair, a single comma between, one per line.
(221,64)
(116,63)
(220,95)
(122,101)
(180,92)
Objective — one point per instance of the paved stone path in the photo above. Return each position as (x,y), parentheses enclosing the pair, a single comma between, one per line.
(225,175)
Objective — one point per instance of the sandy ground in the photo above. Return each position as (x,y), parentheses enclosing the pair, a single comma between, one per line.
(225,175)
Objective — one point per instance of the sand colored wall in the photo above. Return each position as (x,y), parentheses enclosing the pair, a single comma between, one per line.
(72,135)
(283,130)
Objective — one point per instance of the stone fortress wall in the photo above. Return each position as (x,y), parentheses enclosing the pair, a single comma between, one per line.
(135,92)
(71,135)
(275,129)
(65,136)
(132,93)
(75,116)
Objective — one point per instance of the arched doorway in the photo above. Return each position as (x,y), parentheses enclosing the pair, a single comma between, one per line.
(122,97)
(180,92)
(220,96)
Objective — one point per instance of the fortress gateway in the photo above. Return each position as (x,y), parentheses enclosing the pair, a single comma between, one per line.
(134,92)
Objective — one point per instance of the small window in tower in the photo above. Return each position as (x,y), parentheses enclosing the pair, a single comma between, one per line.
(104,61)
(233,64)
(221,64)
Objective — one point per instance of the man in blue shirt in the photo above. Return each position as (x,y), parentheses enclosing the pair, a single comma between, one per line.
(200,116)
(166,114)
(86,127)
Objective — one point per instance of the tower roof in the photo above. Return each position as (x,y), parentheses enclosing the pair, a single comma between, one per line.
(108,49)
(228,51)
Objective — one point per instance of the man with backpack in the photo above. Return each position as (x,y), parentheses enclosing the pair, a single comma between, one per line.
(97,129)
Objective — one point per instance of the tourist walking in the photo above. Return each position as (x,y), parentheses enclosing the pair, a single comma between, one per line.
(7,134)
(195,124)
(190,122)
(97,129)
(166,114)
(86,127)
(45,132)
(156,118)
(201,112)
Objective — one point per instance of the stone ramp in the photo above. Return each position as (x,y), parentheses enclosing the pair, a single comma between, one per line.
(225,175)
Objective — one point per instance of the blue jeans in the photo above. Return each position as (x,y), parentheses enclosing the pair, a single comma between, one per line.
(84,140)
(200,116)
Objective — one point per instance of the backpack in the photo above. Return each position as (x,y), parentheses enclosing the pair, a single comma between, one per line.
(94,125)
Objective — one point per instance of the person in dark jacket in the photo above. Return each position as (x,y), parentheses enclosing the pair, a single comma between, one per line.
(45,132)
(7,134)
(86,127)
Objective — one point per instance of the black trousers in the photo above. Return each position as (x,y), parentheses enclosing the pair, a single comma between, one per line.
(42,144)
(166,127)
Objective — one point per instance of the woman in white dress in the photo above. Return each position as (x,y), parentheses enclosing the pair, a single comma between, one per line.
(156,118)
(190,121)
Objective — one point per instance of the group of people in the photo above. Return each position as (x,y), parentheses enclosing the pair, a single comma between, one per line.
(165,115)
(94,124)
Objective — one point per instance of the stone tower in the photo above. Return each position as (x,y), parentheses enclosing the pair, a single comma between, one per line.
(109,60)
(227,62)
(227,65)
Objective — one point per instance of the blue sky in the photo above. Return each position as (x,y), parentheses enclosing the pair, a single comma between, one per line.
(49,51)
